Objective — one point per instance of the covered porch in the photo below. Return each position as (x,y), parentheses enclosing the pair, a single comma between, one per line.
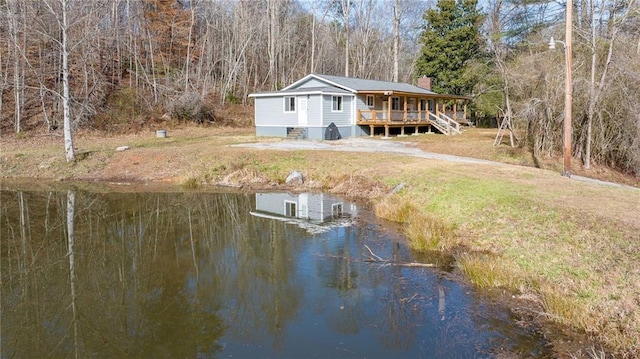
(410,111)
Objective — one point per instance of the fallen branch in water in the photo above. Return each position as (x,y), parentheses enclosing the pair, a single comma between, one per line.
(382,261)
(378,259)
(410,264)
(373,254)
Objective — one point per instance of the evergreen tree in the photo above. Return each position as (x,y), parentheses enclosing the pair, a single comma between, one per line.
(451,38)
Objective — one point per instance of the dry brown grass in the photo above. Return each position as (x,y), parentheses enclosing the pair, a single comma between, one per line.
(425,232)
(489,271)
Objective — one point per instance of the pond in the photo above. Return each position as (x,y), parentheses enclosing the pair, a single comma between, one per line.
(242,275)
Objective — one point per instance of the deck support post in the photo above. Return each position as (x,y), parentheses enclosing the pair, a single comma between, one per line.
(371,130)
(455,110)
(386,131)
(404,116)
(464,114)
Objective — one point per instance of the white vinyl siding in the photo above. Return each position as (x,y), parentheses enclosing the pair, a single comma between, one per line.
(342,118)
(269,111)
(311,83)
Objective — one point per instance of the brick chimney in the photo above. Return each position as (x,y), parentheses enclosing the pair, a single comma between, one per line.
(424,82)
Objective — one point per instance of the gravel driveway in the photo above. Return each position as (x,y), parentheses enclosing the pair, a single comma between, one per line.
(360,144)
(355,144)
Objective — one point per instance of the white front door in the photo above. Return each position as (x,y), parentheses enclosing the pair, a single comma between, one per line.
(302,111)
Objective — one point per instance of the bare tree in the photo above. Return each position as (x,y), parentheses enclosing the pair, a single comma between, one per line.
(396,39)
(60,16)
(596,89)
(13,11)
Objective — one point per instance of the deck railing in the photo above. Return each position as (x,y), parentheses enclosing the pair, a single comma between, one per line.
(396,116)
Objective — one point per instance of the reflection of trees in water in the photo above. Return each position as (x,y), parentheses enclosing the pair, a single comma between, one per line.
(71,210)
(26,298)
(130,290)
(345,270)
(146,271)
(262,268)
(340,272)
(403,310)
(403,306)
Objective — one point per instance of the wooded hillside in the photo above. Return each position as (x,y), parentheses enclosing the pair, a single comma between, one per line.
(132,62)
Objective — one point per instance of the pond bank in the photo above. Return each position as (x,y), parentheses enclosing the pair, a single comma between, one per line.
(570,248)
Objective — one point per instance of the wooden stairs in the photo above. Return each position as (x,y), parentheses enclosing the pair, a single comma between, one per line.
(445,124)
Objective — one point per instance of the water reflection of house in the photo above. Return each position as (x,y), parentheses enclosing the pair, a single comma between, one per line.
(303,208)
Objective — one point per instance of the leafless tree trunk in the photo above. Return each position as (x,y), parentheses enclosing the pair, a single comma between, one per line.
(13,12)
(396,39)
(272,39)
(68,138)
(346,16)
(596,92)
(192,10)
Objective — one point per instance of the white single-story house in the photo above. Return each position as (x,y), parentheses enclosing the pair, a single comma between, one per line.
(332,107)
(311,211)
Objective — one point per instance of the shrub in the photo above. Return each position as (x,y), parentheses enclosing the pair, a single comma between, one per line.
(190,107)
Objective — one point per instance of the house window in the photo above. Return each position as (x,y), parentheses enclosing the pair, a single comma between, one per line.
(395,103)
(423,104)
(290,209)
(336,210)
(370,101)
(336,103)
(290,104)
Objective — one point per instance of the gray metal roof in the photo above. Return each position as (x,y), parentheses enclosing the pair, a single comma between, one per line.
(316,89)
(350,85)
(304,90)
(361,85)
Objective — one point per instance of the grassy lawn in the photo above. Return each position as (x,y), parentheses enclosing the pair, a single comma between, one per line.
(570,247)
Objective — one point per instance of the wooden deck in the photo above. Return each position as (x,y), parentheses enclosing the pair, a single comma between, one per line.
(407,119)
